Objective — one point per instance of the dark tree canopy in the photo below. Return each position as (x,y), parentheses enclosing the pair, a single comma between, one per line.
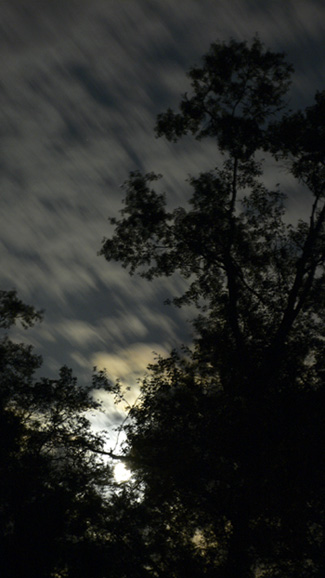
(54,514)
(227,440)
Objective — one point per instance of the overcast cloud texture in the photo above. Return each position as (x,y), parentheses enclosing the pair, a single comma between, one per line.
(81,83)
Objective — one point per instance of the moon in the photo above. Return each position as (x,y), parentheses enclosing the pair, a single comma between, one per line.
(121,473)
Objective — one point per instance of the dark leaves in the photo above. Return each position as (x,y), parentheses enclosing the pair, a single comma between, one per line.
(13,309)
(236,90)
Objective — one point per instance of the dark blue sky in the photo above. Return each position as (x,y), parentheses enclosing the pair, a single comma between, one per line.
(81,83)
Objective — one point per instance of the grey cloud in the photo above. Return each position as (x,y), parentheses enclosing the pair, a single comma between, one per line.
(77,332)
(123,327)
(144,322)
(94,87)
(41,21)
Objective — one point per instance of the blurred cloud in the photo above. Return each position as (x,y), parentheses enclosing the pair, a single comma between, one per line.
(128,364)
(77,332)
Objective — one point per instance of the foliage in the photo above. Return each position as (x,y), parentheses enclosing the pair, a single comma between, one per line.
(13,309)
(226,442)
(51,479)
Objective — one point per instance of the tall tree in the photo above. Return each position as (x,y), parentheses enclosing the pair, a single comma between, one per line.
(227,438)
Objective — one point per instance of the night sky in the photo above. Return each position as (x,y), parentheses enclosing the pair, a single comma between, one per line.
(81,83)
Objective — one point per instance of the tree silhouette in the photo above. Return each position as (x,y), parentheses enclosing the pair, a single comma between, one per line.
(226,443)
(52,482)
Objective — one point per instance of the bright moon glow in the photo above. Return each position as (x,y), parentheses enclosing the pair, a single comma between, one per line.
(121,473)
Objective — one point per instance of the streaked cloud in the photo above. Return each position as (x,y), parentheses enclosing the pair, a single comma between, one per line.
(128,363)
